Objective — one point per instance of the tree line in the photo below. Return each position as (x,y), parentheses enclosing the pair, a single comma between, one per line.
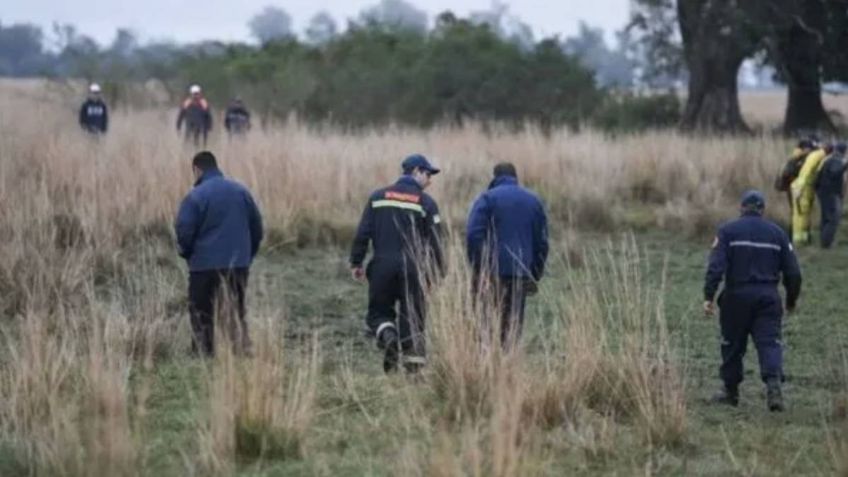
(390,65)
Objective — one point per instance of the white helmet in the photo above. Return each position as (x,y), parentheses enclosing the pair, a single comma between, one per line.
(194,89)
(94,88)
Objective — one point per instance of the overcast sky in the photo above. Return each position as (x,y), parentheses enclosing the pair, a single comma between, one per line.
(191,20)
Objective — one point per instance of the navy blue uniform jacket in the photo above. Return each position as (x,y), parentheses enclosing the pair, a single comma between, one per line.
(218,225)
(402,222)
(751,251)
(509,222)
(94,116)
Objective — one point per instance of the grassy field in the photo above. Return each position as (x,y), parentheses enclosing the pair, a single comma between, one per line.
(611,378)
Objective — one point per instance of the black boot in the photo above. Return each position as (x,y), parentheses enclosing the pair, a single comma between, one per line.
(388,341)
(414,364)
(774,396)
(726,395)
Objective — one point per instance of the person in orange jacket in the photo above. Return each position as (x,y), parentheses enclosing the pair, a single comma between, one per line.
(195,113)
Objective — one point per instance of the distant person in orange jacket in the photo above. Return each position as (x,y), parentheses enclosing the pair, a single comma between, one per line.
(195,113)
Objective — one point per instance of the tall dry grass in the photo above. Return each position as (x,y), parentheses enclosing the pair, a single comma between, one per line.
(260,406)
(92,295)
(608,361)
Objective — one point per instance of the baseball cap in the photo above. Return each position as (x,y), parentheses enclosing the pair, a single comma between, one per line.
(418,161)
(753,198)
(194,89)
(94,88)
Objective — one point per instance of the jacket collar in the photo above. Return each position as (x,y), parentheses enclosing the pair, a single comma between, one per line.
(752,213)
(408,180)
(210,174)
(503,180)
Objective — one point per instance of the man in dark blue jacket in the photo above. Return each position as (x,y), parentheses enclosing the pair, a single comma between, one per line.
(402,223)
(751,255)
(93,114)
(219,229)
(507,241)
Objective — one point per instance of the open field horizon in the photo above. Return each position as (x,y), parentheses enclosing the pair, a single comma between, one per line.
(95,378)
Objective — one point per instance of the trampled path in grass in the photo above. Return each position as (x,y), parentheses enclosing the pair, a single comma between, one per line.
(369,424)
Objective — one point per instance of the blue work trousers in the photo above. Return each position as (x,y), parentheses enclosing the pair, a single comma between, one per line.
(754,310)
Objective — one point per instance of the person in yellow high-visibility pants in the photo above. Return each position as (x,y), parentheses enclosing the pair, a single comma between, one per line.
(804,194)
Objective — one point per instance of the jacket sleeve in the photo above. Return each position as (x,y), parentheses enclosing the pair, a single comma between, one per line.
(716,267)
(188,221)
(208,120)
(364,235)
(434,234)
(105,118)
(540,243)
(180,118)
(227,120)
(254,219)
(791,271)
(476,231)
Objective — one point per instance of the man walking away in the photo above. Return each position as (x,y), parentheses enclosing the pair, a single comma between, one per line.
(402,224)
(195,113)
(792,168)
(751,255)
(219,229)
(237,118)
(93,114)
(507,244)
(830,191)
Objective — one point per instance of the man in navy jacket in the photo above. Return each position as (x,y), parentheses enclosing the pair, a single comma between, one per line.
(93,114)
(507,242)
(751,255)
(219,229)
(402,224)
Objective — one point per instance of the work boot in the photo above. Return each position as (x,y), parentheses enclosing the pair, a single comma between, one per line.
(726,395)
(388,341)
(774,396)
(413,364)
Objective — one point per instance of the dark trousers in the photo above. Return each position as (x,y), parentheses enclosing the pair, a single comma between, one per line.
(218,296)
(505,299)
(511,299)
(196,135)
(831,213)
(396,300)
(756,311)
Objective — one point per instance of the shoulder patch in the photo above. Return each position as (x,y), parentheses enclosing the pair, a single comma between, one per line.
(403,197)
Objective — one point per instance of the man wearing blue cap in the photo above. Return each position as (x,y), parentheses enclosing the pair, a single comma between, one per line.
(830,192)
(402,224)
(751,255)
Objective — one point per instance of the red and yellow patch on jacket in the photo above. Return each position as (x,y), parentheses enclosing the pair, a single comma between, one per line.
(412,198)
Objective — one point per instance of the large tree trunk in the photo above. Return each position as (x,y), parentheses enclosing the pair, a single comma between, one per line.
(799,52)
(714,45)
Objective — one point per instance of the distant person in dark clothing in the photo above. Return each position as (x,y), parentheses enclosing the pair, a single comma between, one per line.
(507,242)
(237,118)
(195,113)
(219,229)
(94,115)
(830,191)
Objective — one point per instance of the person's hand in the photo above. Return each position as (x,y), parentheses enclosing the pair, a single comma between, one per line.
(709,308)
(531,287)
(358,274)
(790,310)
